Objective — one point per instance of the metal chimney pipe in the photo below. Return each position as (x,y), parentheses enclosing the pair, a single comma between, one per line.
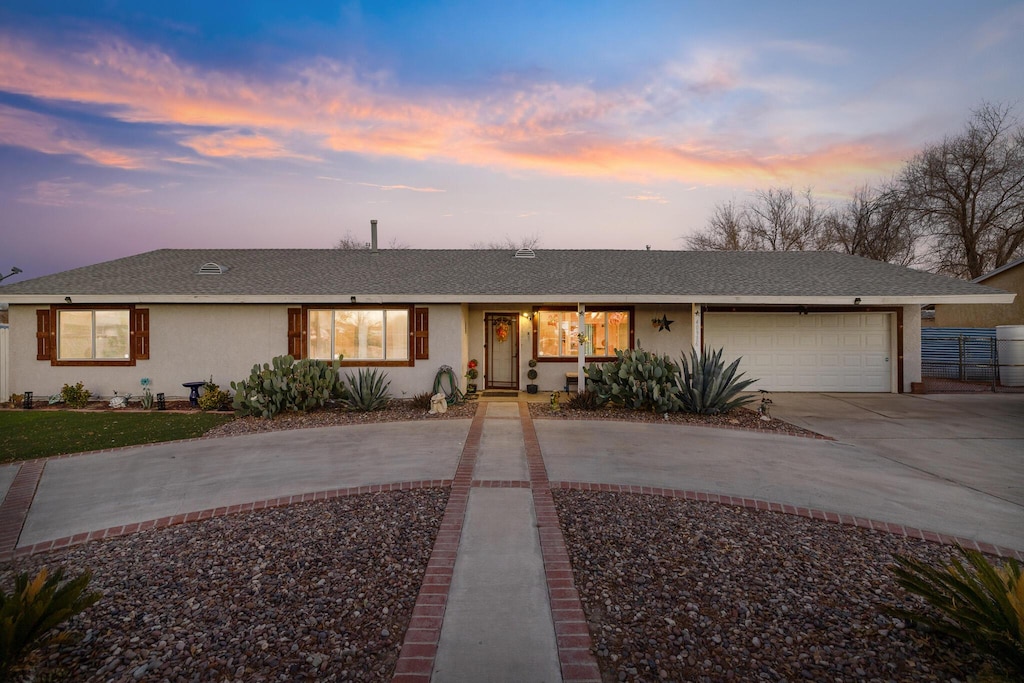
(373,235)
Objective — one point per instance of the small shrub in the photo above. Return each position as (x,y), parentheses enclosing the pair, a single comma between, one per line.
(982,606)
(421,401)
(287,384)
(367,390)
(710,388)
(213,397)
(584,400)
(531,374)
(16,400)
(638,380)
(76,396)
(34,609)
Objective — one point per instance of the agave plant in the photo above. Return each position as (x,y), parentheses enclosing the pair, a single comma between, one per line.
(367,390)
(983,607)
(36,607)
(708,387)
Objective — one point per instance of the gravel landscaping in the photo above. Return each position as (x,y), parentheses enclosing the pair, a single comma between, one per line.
(687,591)
(740,418)
(396,411)
(319,591)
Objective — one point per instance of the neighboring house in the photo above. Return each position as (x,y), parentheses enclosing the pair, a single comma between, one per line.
(1009,278)
(802,321)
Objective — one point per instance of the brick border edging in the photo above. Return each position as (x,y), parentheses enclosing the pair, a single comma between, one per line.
(572,632)
(419,647)
(15,506)
(223,511)
(809,513)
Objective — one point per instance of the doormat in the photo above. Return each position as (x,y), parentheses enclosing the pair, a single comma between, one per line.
(499,393)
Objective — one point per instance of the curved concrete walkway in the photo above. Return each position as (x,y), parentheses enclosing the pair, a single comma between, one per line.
(945,469)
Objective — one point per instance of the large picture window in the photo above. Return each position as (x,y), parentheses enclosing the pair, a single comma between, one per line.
(93,335)
(79,335)
(366,335)
(558,333)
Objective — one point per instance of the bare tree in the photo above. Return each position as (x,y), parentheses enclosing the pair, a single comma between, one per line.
(725,231)
(776,219)
(526,242)
(875,223)
(349,241)
(967,193)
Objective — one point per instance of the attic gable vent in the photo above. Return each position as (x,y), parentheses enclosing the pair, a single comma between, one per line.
(525,253)
(212,268)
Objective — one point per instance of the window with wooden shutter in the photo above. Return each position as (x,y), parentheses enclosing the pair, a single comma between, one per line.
(44,334)
(421,336)
(140,330)
(296,348)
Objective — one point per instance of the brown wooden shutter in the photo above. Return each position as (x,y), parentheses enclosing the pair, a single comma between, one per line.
(421,336)
(295,345)
(45,338)
(140,328)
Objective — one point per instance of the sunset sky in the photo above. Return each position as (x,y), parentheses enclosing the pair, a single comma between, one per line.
(130,126)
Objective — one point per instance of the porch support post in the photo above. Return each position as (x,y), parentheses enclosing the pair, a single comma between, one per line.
(581,351)
(698,328)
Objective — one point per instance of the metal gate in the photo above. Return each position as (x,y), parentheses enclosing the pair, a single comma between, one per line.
(964,359)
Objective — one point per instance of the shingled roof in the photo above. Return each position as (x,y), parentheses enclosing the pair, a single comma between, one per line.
(254,275)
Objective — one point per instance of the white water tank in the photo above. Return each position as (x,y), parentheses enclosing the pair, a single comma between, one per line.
(1010,343)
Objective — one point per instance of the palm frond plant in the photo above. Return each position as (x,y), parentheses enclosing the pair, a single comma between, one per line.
(708,387)
(33,609)
(367,390)
(979,603)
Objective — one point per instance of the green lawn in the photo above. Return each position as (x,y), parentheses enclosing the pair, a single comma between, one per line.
(29,434)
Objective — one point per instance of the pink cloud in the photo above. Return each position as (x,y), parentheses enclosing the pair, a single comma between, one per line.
(572,130)
(20,128)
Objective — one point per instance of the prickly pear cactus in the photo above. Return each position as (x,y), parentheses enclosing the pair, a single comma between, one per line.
(637,379)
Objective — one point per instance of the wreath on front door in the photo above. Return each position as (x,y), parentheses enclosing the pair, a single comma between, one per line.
(501,330)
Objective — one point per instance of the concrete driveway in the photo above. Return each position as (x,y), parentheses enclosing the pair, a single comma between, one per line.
(952,464)
(974,440)
(949,464)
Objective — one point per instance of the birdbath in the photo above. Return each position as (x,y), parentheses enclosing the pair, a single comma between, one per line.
(193,396)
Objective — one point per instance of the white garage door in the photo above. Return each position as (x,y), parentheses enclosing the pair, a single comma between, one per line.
(813,352)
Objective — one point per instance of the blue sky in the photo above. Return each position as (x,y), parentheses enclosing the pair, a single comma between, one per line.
(129,126)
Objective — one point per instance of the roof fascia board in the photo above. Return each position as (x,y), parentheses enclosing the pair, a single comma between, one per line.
(38,299)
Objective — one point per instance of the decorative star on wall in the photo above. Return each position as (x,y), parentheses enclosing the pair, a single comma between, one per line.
(665,324)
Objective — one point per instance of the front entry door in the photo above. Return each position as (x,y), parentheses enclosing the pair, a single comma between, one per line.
(502,347)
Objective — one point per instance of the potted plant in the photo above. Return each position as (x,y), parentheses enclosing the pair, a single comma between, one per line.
(471,374)
(531,374)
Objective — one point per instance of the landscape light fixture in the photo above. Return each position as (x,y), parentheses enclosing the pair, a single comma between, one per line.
(14,271)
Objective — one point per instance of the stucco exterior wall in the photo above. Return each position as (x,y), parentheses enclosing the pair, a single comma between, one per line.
(192,342)
(987,315)
(911,345)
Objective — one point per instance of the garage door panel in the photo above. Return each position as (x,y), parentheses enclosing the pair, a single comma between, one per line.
(814,352)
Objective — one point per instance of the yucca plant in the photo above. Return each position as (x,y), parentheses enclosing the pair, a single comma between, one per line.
(421,401)
(707,387)
(584,400)
(980,604)
(34,609)
(367,390)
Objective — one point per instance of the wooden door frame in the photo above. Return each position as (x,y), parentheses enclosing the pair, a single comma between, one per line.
(513,316)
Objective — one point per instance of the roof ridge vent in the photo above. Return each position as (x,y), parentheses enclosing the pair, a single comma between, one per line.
(525,253)
(211,268)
